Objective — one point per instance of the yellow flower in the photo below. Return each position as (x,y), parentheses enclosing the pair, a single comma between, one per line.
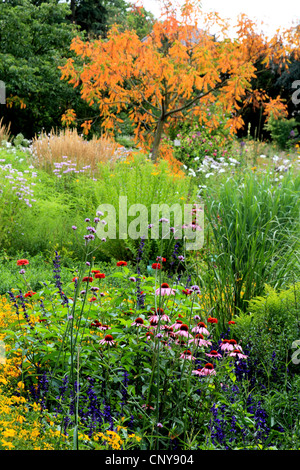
(7,444)
(9,433)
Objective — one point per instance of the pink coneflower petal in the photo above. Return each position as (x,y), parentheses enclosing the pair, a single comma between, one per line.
(208,369)
(177,325)
(184,331)
(108,339)
(229,345)
(237,353)
(201,328)
(187,355)
(200,341)
(214,353)
(104,327)
(138,322)
(165,289)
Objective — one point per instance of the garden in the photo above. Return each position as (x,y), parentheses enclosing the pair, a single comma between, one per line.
(117,343)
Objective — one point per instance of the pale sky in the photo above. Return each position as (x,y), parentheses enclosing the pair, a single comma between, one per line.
(274,14)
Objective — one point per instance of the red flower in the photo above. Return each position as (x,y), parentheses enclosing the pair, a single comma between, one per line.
(156,266)
(29,294)
(121,263)
(74,279)
(96,323)
(22,262)
(212,320)
(159,258)
(231,322)
(99,275)
(93,299)
(87,279)
(187,291)
(95,271)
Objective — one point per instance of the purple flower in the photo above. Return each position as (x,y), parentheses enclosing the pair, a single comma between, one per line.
(74,227)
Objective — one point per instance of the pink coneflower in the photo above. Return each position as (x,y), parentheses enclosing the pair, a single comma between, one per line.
(200,341)
(200,328)
(108,340)
(237,353)
(104,327)
(167,329)
(153,322)
(154,318)
(214,353)
(229,345)
(187,355)
(177,325)
(138,322)
(184,331)
(208,369)
(165,289)
(165,317)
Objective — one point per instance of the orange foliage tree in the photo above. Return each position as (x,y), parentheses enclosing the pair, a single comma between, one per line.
(176,72)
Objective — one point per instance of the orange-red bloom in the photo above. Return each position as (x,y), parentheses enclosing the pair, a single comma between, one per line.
(22,262)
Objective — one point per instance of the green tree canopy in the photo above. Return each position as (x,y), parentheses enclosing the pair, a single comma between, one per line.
(34,41)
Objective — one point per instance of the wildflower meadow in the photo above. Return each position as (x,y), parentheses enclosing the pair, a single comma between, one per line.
(150,289)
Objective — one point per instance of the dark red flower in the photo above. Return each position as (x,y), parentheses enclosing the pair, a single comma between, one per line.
(156,266)
(187,291)
(95,271)
(121,263)
(212,320)
(29,294)
(99,275)
(87,279)
(22,262)
(96,323)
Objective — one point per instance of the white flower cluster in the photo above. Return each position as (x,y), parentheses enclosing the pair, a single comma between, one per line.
(210,166)
(18,183)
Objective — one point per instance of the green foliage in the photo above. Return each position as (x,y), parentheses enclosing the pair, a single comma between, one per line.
(282,131)
(269,329)
(252,238)
(34,41)
(195,141)
(141,183)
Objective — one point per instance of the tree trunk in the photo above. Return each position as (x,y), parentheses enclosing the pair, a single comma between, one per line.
(157,139)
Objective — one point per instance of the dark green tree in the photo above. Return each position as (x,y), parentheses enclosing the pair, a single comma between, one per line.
(35,40)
